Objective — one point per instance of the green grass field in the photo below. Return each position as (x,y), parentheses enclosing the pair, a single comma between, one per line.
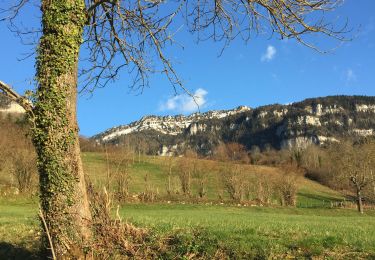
(252,231)
(312,230)
(266,231)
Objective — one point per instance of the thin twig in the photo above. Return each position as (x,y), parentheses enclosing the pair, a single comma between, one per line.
(48,235)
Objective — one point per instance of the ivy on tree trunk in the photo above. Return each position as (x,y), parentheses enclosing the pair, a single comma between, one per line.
(62,185)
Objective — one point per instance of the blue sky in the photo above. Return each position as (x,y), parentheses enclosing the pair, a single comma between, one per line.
(264,71)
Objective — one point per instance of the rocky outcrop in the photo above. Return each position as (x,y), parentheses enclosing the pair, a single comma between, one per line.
(9,107)
(12,108)
(312,121)
(168,125)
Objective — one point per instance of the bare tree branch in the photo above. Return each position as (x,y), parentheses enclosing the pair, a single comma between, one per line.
(134,34)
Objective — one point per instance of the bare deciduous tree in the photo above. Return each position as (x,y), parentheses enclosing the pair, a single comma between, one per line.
(201,172)
(286,187)
(185,170)
(169,169)
(149,194)
(354,163)
(120,161)
(116,35)
(264,189)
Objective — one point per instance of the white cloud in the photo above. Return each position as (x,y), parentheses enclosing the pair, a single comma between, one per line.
(185,103)
(269,55)
(350,75)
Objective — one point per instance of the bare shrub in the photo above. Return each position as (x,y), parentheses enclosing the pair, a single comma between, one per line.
(89,145)
(273,157)
(255,154)
(288,191)
(237,152)
(122,184)
(202,191)
(119,161)
(231,151)
(185,169)
(201,171)
(296,156)
(265,189)
(234,182)
(191,154)
(24,170)
(17,156)
(169,167)
(149,194)
(286,186)
(220,153)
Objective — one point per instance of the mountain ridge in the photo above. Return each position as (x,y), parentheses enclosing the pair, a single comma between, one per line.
(167,123)
(313,120)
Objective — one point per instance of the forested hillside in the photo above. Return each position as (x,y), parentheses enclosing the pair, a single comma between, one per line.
(312,121)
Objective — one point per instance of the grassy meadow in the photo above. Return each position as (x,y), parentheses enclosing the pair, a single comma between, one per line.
(155,169)
(311,230)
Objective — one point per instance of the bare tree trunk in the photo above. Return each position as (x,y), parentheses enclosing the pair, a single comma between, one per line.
(63,192)
(359,201)
(169,189)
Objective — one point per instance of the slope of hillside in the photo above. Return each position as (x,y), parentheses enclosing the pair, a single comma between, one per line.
(312,230)
(153,172)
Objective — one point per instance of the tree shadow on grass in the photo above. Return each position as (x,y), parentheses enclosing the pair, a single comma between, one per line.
(316,201)
(14,252)
(319,197)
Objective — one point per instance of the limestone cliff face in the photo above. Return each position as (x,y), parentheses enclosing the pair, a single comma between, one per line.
(9,107)
(312,121)
(168,125)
